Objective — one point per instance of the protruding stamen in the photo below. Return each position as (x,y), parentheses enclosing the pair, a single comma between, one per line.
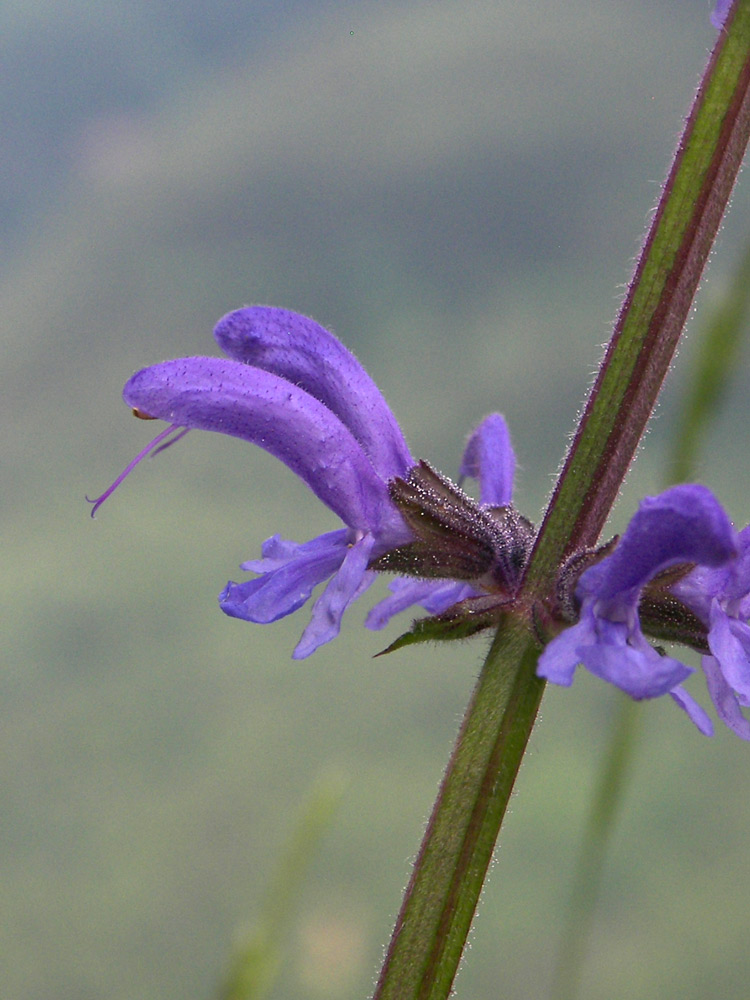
(168,444)
(154,446)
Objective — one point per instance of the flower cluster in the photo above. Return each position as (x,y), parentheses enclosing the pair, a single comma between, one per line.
(683,527)
(291,387)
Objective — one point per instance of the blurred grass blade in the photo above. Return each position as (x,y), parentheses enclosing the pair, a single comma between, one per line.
(606,805)
(257,954)
(718,350)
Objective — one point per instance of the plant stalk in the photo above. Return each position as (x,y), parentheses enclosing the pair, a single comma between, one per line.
(440,900)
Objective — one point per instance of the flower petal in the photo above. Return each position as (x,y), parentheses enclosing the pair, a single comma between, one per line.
(626,660)
(724,698)
(683,524)
(560,657)
(729,641)
(489,458)
(298,349)
(233,398)
(616,651)
(693,710)
(435,596)
(290,572)
(350,582)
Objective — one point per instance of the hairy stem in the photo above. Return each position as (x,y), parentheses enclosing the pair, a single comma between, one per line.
(449,872)
(656,306)
(440,900)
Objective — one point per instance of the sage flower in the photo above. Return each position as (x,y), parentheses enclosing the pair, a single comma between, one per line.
(684,526)
(289,386)
(292,388)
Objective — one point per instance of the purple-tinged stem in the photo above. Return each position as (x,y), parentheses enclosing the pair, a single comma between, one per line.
(656,306)
(440,900)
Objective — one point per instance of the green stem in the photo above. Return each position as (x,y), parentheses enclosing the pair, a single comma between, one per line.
(440,900)
(449,872)
(656,306)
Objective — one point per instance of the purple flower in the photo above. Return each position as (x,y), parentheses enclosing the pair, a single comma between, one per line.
(685,524)
(719,15)
(290,387)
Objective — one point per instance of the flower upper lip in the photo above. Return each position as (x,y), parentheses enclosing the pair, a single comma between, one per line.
(298,349)
(235,398)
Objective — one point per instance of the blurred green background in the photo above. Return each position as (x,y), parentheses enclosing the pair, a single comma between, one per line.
(458,190)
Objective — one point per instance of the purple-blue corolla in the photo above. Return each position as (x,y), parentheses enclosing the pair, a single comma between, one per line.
(683,525)
(291,387)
